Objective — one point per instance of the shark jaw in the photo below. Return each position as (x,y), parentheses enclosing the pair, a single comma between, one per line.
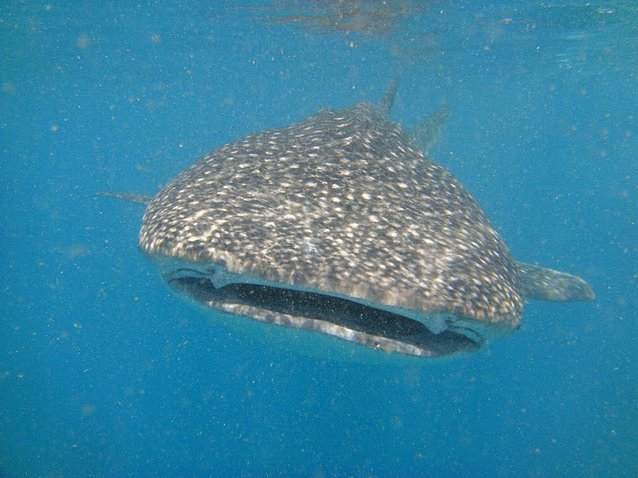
(373,325)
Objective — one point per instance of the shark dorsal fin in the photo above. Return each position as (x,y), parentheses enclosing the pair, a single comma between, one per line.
(388,99)
(426,134)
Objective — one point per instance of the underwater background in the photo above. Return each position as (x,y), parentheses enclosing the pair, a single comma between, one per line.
(105,372)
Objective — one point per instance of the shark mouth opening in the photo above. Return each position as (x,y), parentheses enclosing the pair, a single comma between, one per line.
(340,317)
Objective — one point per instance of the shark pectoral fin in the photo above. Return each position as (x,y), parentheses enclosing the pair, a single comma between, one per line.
(138,198)
(546,284)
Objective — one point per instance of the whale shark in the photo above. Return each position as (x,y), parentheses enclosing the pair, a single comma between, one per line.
(339,224)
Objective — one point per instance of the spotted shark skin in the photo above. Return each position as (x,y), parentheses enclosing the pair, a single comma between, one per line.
(338,224)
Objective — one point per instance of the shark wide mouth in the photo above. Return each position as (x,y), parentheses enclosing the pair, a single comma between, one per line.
(347,319)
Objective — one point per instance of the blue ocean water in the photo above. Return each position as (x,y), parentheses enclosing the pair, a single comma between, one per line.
(104,372)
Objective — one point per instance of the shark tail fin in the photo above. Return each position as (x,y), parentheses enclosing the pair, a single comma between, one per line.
(546,284)
(138,198)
